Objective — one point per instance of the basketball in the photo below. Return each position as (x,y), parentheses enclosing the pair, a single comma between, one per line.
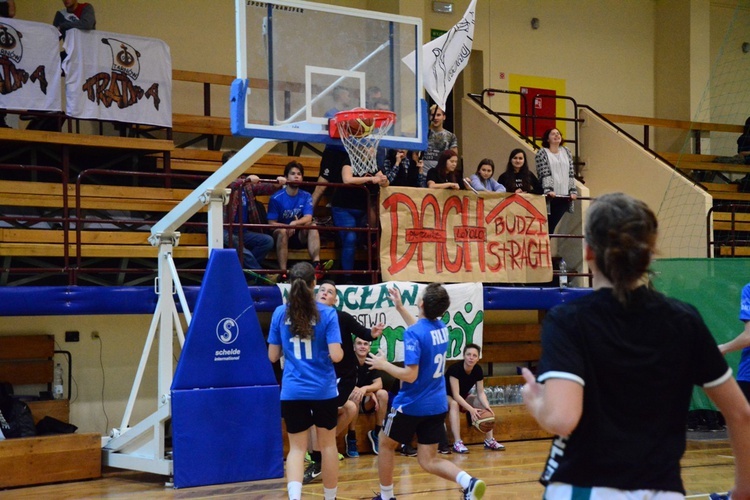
(485,422)
(360,127)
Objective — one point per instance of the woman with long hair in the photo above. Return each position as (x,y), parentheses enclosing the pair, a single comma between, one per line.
(617,373)
(307,333)
(445,175)
(517,177)
(554,166)
(482,179)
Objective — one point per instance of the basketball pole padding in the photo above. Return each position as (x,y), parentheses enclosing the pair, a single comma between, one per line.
(226,416)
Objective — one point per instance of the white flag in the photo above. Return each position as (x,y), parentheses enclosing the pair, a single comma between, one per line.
(445,57)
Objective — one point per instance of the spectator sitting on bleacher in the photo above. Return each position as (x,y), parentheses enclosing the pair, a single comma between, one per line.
(293,207)
(459,379)
(243,208)
(370,395)
(75,15)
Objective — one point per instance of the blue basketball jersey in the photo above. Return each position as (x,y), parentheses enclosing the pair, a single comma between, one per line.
(743,369)
(426,345)
(308,369)
(284,208)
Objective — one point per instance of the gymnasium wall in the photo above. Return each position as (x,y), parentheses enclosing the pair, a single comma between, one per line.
(605,50)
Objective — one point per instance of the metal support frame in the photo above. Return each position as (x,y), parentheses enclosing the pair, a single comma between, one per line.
(142,446)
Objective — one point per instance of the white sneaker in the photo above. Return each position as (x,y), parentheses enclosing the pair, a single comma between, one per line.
(459,447)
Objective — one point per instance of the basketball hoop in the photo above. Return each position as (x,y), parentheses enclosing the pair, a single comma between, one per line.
(361,130)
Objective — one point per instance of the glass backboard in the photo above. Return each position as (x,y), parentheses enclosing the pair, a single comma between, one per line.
(300,62)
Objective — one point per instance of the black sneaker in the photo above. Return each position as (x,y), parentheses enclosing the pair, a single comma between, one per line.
(408,450)
(475,491)
(378,497)
(312,471)
(444,449)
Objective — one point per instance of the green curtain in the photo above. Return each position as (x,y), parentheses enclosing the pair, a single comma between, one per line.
(713,286)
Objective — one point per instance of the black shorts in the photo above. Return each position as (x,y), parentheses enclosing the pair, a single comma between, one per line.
(300,415)
(745,386)
(345,387)
(295,242)
(401,428)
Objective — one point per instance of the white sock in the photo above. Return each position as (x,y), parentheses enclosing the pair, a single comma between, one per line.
(463,479)
(386,492)
(295,490)
(330,493)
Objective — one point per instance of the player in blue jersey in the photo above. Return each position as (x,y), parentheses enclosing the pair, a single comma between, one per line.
(742,341)
(308,335)
(420,406)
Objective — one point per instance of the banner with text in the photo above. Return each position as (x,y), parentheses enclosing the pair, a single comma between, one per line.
(117,77)
(30,66)
(459,236)
(372,304)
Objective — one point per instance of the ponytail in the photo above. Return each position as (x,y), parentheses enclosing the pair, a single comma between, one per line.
(302,310)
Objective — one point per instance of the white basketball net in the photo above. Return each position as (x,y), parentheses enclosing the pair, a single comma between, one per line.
(362,144)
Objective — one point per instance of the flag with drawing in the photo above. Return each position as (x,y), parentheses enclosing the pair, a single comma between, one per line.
(445,57)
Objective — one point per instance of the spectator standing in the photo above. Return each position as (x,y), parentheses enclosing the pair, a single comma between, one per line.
(75,15)
(421,405)
(308,335)
(445,175)
(438,140)
(517,177)
(459,379)
(349,208)
(402,167)
(554,165)
(482,179)
(610,383)
(293,207)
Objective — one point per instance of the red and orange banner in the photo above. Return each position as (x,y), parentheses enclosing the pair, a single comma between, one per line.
(458,236)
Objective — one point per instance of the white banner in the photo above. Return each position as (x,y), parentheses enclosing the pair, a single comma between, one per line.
(445,57)
(371,304)
(117,77)
(29,66)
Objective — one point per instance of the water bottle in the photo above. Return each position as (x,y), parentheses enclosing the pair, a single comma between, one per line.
(563,274)
(473,390)
(500,395)
(57,382)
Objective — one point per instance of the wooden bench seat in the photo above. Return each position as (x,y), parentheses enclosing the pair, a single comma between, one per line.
(714,167)
(85,140)
(723,221)
(692,157)
(270,165)
(199,124)
(27,360)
